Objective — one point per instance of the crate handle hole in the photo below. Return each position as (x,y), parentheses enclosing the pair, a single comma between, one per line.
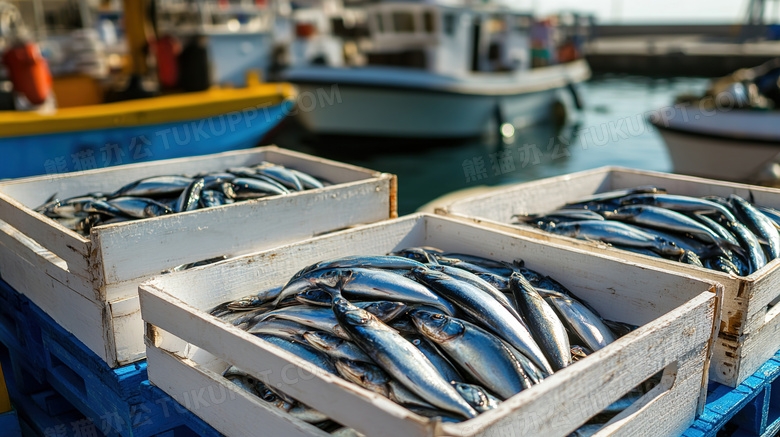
(654,388)
(772,311)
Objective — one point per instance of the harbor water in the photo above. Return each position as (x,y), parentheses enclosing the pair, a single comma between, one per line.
(612,129)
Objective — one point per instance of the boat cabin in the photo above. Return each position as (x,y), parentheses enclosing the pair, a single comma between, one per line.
(443,38)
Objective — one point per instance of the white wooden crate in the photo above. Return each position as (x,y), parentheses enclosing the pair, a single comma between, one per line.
(187,348)
(90,285)
(748,324)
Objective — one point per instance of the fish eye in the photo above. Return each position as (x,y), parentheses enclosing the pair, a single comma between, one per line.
(416,342)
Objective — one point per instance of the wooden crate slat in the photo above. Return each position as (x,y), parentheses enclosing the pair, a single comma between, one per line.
(679,335)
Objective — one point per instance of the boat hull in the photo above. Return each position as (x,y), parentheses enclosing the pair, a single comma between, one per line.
(86,150)
(363,111)
(419,107)
(717,158)
(733,145)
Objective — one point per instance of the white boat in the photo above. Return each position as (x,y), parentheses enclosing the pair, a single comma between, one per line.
(436,71)
(738,144)
(731,132)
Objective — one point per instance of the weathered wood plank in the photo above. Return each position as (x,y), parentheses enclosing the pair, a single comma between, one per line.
(44,262)
(137,250)
(324,392)
(678,325)
(78,315)
(219,402)
(66,244)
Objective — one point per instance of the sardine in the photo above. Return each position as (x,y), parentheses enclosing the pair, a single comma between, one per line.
(280,174)
(758,223)
(399,358)
(489,313)
(139,207)
(587,326)
(441,363)
(483,356)
(478,282)
(305,352)
(157,186)
(749,242)
(374,262)
(664,219)
(678,203)
(477,396)
(369,284)
(308,181)
(246,188)
(212,198)
(335,347)
(616,233)
(544,324)
(321,319)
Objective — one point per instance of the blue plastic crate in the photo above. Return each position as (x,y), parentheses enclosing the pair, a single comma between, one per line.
(750,410)
(116,401)
(9,424)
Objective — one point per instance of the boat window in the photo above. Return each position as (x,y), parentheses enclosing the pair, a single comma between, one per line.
(380,26)
(428,21)
(403,22)
(449,24)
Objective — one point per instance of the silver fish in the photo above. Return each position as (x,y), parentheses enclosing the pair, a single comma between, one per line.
(305,352)
(749,242)
(370,284)
(335,347)
(483,356)
(542,321)
(321,319)
(615,233)
(720,230)
(251,302)
(157,186)
(758,223)
(678,203)
(580,320)
(374,262)
(489,313)
(138,207)
(441,363)
(471,278)
(308,181)
(656,217)
(212,198)
(280,174)
(770,213)
(399,358)
(246,188)
(477,397)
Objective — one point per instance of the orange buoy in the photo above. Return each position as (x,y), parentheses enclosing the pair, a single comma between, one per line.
(29,72)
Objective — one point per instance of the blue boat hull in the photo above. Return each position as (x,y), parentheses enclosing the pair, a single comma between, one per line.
(34,155)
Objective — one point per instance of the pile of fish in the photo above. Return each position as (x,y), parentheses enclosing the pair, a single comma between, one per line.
(446,335)
(161,195)
(730,235)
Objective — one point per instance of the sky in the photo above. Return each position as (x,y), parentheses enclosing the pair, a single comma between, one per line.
(655,11)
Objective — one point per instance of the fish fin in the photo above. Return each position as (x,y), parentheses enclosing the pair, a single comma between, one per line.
(750,198)
(525,218)
(519,263)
